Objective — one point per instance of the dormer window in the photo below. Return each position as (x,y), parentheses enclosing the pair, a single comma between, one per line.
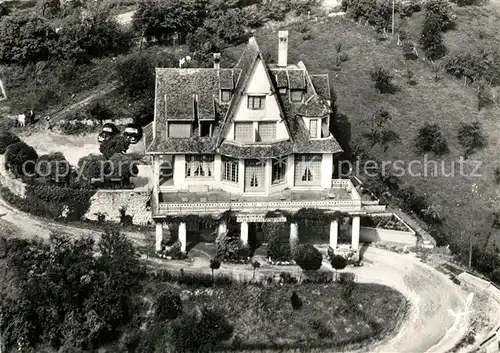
(256,102)
(282,91)
(296,95)
(225,95)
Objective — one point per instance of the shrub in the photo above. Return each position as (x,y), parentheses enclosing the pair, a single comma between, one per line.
(114,145)
(338,262)
(7,138)
(99,111)
(93,166)
(431,38)
(76,128)
(322,329)
(230,248)
(198,332)
(287,278)
(408,50)
(296,301)
(20,158)
(471,137)
(278,248)
(136,74)
(382,78)
(307,257)
(54,167)
(430,139)
(441,11)
(168,305)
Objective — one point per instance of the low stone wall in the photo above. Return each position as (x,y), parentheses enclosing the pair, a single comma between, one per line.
(109,202)
(17,187)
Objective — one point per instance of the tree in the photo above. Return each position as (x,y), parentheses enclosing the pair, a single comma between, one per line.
(201,331)
(431,38)
(93,167)
(116,144)
(228,25)
(255,265)
(214,265)
(21,158)
(430,139)
(338,262)
(168,306)
(7,138)
(25,38)
(379,131)
(471,137)
(382,78)
(54,167)
(136,74)
(442,11)
(307,257)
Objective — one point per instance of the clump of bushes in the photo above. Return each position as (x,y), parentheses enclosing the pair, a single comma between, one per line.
(20,159)
(430,139)
(7,138)
(168,305)
(230,248)
(76,127)
(307,257)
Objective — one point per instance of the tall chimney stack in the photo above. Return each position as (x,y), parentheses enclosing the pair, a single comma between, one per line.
(217,61)
(283,49)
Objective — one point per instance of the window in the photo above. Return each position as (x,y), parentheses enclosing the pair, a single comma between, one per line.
(243,132)
(266,131)
(313,128)
(225,95)
(308,170)
(179,130)
(282,90)
(256,102)
(296,95)
(199,166)
(324,128)
(205,129)
(230,168)
(279,170)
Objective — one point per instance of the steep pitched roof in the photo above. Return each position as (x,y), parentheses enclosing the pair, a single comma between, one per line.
(321,83)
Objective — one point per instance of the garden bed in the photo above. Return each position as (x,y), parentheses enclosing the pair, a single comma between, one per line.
(263,317)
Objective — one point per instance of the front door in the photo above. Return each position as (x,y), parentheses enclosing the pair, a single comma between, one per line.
(255,175)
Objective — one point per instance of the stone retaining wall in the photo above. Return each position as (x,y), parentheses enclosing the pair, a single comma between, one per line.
(109,202)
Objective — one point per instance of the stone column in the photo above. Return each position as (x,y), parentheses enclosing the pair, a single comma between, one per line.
(222,227)
(334,232)
(294,234)
(183,236)
(159,236)
(355,232)
(244,232)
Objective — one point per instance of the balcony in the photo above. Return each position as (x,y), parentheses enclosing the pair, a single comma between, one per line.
(342,196)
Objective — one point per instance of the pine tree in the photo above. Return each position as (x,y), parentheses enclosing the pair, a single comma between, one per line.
(431,39)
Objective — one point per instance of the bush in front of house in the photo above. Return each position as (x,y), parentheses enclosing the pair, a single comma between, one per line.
(7,138)
(168,305)
(307,257)
(20,158)
(279,249)
(200,331)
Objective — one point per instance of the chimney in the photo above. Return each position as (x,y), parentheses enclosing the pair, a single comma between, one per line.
(217,61)
(283,49)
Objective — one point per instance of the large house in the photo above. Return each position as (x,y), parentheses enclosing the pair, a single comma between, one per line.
(252,138)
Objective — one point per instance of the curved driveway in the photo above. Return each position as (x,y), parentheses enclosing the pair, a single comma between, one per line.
(430,292)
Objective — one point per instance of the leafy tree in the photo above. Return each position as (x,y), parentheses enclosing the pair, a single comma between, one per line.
(471,137)
(430,139)
(168,306)
(431,38)
(200,332)
(100,111)
(307,257)
(116,144)
(228,25)
(54,166)
(214,265)
(379,132)
(136,74)
(25,38)
(20,158)
(255,265)
(442,11)
(382,78)
(7,138)
(296,301)
(93,166)
(338,262)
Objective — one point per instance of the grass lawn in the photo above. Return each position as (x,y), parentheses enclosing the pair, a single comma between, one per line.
(263,317)
(446,102)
